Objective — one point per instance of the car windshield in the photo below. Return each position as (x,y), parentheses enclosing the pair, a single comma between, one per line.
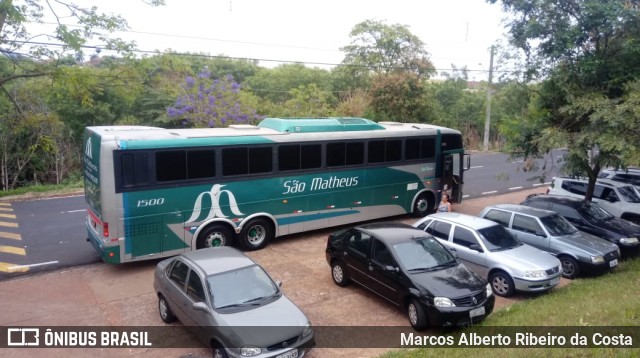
(497,238)
(424,253)
(629,194)
(245,286)
(592,212)
(558,225)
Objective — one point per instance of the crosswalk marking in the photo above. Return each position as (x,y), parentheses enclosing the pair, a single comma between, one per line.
(5,204)
(5,209)
(7,216)
(10,235)
(6,267)
(8,224)
(13,250)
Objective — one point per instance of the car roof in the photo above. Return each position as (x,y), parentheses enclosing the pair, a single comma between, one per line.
(215,260)
(392,232)
(561,199)
(540,213)
(470,221)
(601,181)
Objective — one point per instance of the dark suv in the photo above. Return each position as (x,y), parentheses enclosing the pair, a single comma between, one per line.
(591,218)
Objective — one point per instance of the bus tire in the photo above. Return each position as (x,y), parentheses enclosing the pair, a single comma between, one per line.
(255,234)
(214,236)
(421,206)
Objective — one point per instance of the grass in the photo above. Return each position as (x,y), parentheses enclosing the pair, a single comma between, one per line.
(612,299)
(44,190)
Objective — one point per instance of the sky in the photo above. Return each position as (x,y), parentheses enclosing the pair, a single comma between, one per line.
(458,32)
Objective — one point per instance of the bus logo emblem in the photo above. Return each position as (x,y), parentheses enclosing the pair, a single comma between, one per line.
(215,211)
(87,149)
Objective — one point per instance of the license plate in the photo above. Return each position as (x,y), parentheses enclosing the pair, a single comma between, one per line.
(554,281)
(476,312)
(613,263)
(290,354)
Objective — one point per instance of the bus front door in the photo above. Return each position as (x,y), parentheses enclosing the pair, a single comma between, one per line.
(452,179)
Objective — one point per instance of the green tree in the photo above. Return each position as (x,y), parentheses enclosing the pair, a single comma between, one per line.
(585,53)
(381,48)
(275,84)
(308,101)
(397,97)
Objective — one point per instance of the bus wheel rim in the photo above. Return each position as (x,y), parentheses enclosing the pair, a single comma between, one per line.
(216,239)
(256,234)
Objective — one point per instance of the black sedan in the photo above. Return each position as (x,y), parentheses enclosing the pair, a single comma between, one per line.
(411,269)
(592,219)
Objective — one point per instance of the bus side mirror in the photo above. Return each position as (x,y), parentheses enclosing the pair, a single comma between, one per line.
(467,162)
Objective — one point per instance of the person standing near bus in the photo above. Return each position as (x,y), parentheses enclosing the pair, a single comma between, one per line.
(445,205)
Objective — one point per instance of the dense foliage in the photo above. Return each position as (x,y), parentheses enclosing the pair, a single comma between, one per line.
(577,87)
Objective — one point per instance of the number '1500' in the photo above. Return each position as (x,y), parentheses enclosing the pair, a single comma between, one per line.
(150,202)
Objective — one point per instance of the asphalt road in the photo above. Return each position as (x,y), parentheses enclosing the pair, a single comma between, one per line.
(45,235)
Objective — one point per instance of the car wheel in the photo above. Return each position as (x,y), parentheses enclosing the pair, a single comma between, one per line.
(417,315)
(570,268)
(219,352)
(339,274)
(256,234)
(502,284)
(165,312)
(421,206)
(215,236)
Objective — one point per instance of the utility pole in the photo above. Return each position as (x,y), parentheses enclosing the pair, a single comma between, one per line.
(487,121)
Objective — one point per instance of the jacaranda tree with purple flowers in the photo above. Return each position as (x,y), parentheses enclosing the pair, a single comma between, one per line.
(207,102)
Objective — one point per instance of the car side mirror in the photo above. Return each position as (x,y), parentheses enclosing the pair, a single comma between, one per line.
(612,199)
(390,268)
(279,283)
(475,247)
(201,306)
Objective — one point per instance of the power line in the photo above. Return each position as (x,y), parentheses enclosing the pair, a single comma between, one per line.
(156,52)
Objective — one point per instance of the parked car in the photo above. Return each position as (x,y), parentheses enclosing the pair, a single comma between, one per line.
(629,176)
(231,304)
(592,219)
(491,251)
(620,199)
(546,230)
(412,270)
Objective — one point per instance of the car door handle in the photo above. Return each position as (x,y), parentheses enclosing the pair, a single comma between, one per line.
(370,268)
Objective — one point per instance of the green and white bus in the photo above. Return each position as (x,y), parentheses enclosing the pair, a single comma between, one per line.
(155,192)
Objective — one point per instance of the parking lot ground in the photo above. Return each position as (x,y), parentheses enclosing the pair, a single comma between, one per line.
(108,295)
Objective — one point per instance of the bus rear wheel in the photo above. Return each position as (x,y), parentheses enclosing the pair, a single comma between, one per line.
(255,234)
(215,236)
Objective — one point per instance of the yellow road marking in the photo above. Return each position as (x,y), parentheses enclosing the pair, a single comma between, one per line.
(7,216)
(13,250)
(5,209)
(10,235)
(8,224)
(5,267)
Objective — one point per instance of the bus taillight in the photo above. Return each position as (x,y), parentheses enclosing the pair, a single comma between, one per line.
(105,229)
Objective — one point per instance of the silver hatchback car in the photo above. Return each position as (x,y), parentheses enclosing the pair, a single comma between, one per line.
(492,252)
(231,304)
(578,251)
